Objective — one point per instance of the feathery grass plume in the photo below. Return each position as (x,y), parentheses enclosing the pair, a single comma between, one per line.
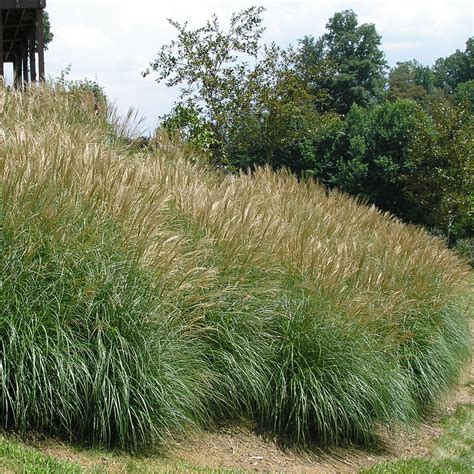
(142,292)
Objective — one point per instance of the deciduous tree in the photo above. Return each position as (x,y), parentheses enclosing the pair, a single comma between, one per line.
(455,69)
(410,80)
(211,65)
(351,63)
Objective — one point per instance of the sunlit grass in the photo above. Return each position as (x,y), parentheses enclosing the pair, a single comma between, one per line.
(452,452)
(17,458)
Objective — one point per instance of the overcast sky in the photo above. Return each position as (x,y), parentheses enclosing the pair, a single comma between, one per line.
(113,41)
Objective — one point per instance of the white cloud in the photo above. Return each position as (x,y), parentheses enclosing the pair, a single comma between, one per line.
(81,36)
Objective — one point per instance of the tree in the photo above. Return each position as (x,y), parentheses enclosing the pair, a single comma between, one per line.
(455,69)
(440,184)
(410,80)
(316,70)
(211,66)
(48,34)
(369,153)
(351,64)
(465,93)
(278,127)
(243,114)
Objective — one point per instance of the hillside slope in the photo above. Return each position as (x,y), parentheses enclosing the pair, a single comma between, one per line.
(142,294)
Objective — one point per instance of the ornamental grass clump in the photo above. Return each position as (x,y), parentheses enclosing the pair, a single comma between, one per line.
(143,293)
(91,347)
(87,351)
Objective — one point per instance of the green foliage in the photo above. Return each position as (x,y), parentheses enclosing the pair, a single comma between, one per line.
(191,127)
(411,162)
(321,111)
(83,85)
(245,115)
(440,183)
(279,127)
(410,80)
(372,150)
(89,85)
(455,69)
(48,34)
(359,63)
(209,64)
(464,93)
(315,70)
(346,62)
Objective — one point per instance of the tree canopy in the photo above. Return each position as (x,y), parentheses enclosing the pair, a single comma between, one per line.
(346,61)
(455,69)
(211,66)
(48,34)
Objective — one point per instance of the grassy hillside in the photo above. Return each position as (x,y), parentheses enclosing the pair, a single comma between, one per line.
(141,294)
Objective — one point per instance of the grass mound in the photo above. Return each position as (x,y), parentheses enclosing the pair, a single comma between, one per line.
(141,294)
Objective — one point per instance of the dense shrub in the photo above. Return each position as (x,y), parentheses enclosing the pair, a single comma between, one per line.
(439,187)
(373,153)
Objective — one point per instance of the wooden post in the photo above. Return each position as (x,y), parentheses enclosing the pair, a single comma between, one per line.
(17,70)
(24,57)
(40,35)
(32,51)
(20,69)
(2,71)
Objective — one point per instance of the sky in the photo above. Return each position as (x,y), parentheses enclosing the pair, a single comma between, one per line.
(113,41)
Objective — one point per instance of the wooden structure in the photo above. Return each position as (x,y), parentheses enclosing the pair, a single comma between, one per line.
(21,37)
